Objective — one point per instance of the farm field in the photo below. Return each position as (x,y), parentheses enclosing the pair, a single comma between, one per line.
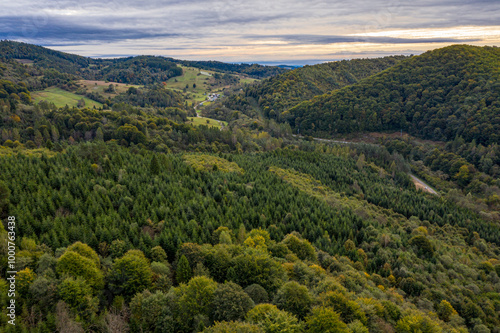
(201,80)
(192,76)
(197,121)
(62,98)
(101,87)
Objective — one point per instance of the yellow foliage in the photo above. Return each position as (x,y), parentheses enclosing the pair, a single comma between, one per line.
(288,266)
(256,242)
(317,269)
(202,162)
(421,231)
(6,151)
(24,278)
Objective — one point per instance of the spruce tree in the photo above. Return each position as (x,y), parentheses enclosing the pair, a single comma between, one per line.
(183,273)
(154,166)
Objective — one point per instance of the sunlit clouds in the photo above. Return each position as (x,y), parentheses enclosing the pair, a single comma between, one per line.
(294,32)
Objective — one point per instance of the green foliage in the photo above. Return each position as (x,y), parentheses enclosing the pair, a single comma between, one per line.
(257,293)
(253,70)
(331,218)
(281,92)
(86,251)
(230,303)
(73,264)
(78,294)
(423,245)
(118,248)
(410,286)
(195,300)
(158,254)
(301,247)
(150,312)
(416,323)
(273,320)
(445,310)
(294,298)
(259,269)
(230,327)
(325,320)
(207,162)
(357,327)
(130,274)
(431,96)
(184,272)
(348,309)
(4,199)
(154,167)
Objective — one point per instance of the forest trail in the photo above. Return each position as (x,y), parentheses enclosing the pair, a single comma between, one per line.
(419,184)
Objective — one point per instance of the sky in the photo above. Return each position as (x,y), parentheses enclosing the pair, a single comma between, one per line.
(290,32)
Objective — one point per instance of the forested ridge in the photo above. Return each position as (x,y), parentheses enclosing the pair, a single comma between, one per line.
(134,70)
(345,238)
(437,95)
(281,92)
(252,70)
(129,218)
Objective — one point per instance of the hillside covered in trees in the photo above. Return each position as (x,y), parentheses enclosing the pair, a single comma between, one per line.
(133,70)
(281,92)
(253,70)
(288,239)
(438,95)
(132,218)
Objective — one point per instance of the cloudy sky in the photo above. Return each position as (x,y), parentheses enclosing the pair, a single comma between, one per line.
(264,31)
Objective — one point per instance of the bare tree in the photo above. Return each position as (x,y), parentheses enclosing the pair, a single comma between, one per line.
(116,321)
(64,322)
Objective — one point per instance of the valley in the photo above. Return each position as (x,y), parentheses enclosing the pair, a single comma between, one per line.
(154,194)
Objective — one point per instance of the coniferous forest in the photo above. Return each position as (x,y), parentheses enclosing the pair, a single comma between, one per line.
(130,216)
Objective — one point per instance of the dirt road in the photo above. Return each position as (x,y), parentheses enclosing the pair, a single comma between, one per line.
(419,184)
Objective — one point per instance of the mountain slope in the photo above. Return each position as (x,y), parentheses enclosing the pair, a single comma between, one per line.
(438,95)
(44,57)
(128,70)
(286,90)
(283,91)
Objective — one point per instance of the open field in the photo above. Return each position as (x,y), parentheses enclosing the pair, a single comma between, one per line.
(247,79)
(101,87)
(197,121)
(62,98)
(192,76)
(25,61)
(201,79)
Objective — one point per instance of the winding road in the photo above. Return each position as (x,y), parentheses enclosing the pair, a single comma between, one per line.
(419,184)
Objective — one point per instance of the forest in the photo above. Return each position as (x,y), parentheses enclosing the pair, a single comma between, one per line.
(253,70)
(280,92)
(437,95)
(131,218)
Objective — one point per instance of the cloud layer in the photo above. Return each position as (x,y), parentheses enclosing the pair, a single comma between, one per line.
(251,30)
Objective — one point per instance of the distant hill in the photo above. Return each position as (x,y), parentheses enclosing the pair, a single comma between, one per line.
(437,95)
(253,70)
(44,57)
(133,70)
(288,89)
